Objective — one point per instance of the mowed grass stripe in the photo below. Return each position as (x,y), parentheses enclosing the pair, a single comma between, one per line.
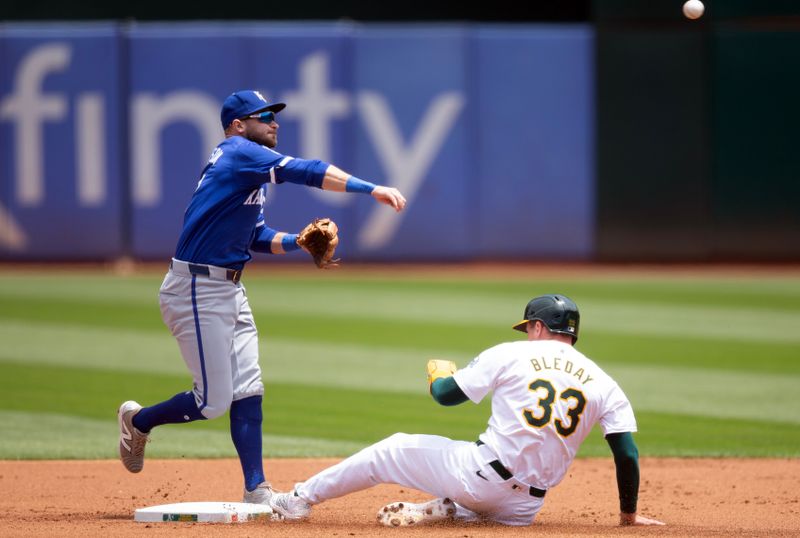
(337,346)
(81,313)
(677,435)
(711,393)
(482,312)
(719,392)
(290,409)
(360,417)
(364,330)
(700,382)
(689,353)
(341,365)
(758,292)
(123,350)
(30,435)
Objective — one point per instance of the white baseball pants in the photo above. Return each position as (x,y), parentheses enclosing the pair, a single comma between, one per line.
(436,465)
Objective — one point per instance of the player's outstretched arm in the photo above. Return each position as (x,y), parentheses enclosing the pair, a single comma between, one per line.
(626,460)
(338,180)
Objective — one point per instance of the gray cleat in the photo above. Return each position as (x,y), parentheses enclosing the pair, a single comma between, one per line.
(131,440)
(290,506)
(403,514)
(261,495)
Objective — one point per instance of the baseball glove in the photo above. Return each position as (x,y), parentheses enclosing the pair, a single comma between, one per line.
(320,239)
(438,368)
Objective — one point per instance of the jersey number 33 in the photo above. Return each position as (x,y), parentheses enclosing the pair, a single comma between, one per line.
(543,413)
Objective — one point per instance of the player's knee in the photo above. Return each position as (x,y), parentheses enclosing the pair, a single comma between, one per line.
(214,411)
(397,439)
(216,408)
(384,452)
(218,400)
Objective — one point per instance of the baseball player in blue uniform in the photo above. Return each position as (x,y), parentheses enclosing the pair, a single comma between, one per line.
(202,300)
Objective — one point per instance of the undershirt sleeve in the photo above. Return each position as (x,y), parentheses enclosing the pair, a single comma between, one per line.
(626,459)
(446,391)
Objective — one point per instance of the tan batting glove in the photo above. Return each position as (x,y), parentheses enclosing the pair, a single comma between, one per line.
(439,368)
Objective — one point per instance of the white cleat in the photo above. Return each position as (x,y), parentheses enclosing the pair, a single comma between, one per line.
(261,495)
(290,506)
(403,514)
(131,440)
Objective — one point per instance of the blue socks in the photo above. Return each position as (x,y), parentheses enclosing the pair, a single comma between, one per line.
(178,409)
(246,421)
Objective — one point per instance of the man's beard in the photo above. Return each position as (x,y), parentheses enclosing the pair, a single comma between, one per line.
(266,140)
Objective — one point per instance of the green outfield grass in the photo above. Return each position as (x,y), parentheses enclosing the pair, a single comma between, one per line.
(711,363)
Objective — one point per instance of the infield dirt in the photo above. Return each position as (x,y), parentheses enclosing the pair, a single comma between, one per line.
(696,497)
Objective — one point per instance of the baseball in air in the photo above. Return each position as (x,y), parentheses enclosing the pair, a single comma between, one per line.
(693,9)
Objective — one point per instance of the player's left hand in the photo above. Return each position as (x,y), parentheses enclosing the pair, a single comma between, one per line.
(636,519)
(389,196)
(438,368)
(320,239)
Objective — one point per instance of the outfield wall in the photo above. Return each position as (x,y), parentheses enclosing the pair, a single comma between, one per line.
(488,131)
(643,136)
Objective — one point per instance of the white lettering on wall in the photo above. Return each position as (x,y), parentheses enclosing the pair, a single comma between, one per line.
(29,109)
(406,165)
(405,160)
(150,114)
(315,105)
(91,159)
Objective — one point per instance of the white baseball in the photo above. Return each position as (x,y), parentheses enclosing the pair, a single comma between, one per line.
(693,9)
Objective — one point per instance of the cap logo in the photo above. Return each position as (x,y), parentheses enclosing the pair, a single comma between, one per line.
(258,94)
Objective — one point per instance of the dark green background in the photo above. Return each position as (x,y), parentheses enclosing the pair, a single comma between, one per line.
(697,122)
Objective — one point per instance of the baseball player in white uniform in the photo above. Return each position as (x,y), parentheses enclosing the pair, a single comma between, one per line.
(546,398)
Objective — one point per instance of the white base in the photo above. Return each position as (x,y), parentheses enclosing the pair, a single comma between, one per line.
(203,512)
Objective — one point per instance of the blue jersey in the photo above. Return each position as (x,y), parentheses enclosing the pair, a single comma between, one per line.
(225,218)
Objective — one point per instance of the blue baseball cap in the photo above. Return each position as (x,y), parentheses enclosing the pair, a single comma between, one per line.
(243,103)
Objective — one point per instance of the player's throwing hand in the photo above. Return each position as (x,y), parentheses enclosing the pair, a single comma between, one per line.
(389,196)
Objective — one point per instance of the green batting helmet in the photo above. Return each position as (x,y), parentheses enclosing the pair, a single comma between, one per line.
(559,313)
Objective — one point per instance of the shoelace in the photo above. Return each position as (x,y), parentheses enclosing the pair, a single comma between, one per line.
(137,448)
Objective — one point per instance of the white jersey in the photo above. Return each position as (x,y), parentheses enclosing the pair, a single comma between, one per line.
(547,397)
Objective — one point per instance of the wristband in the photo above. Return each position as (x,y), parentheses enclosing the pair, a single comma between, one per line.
(289,242)
(359,185)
